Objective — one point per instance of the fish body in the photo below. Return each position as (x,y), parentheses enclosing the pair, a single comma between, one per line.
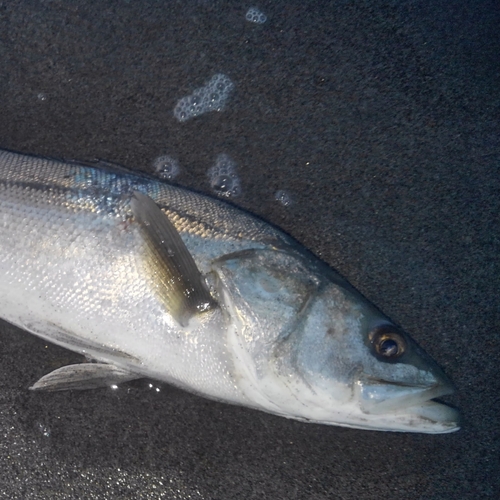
(151,280)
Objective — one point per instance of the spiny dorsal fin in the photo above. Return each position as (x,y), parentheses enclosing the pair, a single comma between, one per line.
(174,270)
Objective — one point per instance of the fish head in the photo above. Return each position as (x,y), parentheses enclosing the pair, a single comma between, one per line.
(308,346)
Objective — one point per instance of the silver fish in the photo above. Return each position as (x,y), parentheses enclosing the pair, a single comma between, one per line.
(152,280)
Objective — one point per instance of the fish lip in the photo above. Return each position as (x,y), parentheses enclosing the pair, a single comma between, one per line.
(439,417)
(443,387)
(409,407)
(378,396)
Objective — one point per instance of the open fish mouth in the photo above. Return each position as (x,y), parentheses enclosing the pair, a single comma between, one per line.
(414,403)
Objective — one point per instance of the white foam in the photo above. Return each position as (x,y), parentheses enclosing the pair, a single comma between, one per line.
(223,177)
(211,97)
(166,167)
(284,197)
(254,15)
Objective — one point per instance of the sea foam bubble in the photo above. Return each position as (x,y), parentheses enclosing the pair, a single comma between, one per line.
(211,97)
(284,197)
(166,167)
(254,15)
(223,177)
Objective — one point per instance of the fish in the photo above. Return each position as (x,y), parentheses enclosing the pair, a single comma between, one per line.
(146,279)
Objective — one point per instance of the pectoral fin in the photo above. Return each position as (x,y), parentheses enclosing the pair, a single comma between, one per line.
(83,376)
(173,269)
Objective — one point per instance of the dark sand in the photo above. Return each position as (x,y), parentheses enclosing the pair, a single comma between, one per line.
(382,121)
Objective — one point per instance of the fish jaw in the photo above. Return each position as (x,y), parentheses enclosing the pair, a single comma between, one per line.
(380,396)
(407,408)
(385,406)
(344,406)
(335,408)
(431,417)
(404,404)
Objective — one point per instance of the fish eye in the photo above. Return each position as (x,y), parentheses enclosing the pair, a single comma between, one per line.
(389,344)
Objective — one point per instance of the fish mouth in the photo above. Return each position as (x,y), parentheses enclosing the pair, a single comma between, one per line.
(415,403)
(381,396)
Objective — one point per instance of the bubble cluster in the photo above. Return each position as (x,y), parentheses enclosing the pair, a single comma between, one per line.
(211,97)
(223,177)
(284,197)
(166,167)
(254,15)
